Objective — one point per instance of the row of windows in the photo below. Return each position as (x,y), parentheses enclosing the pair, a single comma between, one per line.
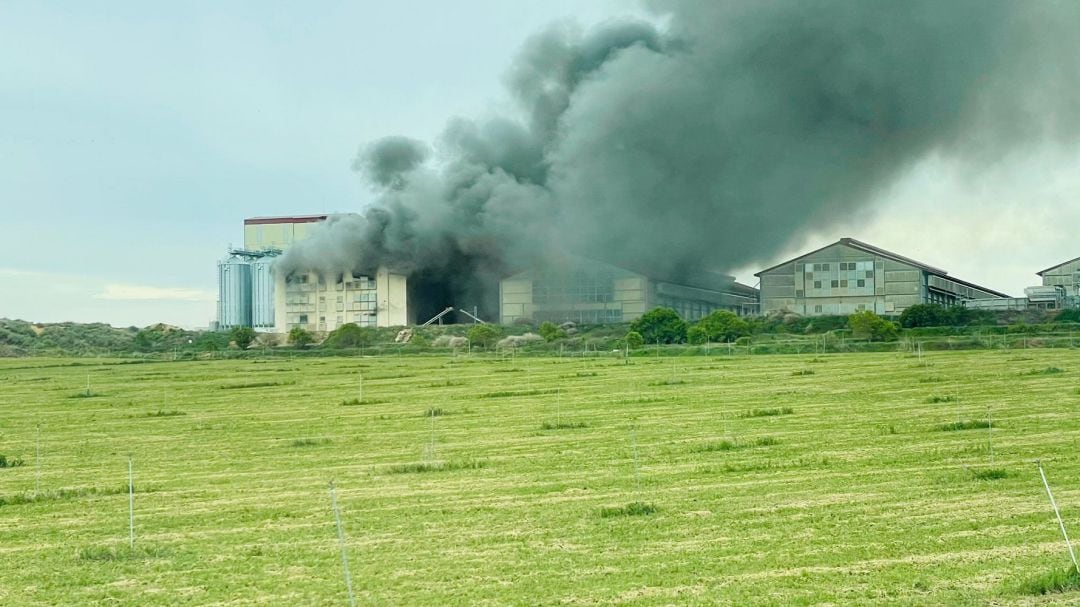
(366,320)
(841,283)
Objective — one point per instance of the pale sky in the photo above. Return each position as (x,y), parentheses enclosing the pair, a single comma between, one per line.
(135,138)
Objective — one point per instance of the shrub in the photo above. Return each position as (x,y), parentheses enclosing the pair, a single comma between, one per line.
(242,336)
(300,337)
(867,325)
(634,340)
(550,331)
(723,326)
(661,325)
(350,335)
(483,335)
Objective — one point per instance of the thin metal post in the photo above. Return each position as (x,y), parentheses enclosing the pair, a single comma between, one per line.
(131,505)
(1057,513)
(37,461)
(558,407)
(341,544)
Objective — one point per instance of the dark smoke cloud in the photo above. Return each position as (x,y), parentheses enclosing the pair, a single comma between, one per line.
(711,144)
(386,162)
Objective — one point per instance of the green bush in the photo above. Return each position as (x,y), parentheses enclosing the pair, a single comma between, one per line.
(242,336)
(867,325)
(483,335)
(723,326)
(550,331)
(662,325)
(634,340)
(300,337)
(349,335)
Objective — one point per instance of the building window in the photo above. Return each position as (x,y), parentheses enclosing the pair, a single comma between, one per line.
(817,284)
(825,267)
(303,319)
(800,293)
(817,309)
(860,282)
(835,284)
(843,284)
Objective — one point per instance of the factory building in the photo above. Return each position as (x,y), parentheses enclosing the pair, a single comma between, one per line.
(262,233)
(1066,276)
(246,285)
(319,303)
(1060,289)
(848,276)
(592,292)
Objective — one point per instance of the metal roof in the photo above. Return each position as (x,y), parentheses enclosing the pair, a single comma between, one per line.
(869,248)
(284,219)
(1058,265)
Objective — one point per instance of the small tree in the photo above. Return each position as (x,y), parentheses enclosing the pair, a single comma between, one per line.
(660,325)
(300,337)
(867,325)
(211,341)
(550,331)
(243,336)
(723,326)
(484,335)
(634,340)
(349,335)
(697,335)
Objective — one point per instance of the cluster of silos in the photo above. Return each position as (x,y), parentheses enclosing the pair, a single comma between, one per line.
(246,290)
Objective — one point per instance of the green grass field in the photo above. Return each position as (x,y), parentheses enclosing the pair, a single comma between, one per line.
(860,479)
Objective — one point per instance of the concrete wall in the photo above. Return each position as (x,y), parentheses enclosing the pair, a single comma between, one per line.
(321,304)
(841,280)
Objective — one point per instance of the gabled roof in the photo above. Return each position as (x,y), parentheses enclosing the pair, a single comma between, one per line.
(869,248)
(1041,272)
(862,246)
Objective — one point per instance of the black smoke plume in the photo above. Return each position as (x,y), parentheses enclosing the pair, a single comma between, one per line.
(708,143)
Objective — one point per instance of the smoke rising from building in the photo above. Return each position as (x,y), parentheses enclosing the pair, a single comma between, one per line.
(709,143)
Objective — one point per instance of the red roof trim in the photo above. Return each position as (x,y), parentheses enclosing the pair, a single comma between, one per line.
(292,219)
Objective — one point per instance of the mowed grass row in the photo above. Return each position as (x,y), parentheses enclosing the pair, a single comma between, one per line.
(847,479)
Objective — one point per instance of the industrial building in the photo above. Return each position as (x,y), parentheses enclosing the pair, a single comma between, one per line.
(1066,276)
(319,303)
(252,294)
(1060,289)
(848,276)
(246,286)
(587,291)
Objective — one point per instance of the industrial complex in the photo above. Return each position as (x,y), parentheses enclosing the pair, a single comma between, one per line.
(842,278)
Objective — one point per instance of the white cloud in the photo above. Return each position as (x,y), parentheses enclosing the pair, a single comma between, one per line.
(122,292)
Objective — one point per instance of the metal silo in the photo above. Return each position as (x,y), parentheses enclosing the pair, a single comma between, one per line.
(234,291)
(262,293)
